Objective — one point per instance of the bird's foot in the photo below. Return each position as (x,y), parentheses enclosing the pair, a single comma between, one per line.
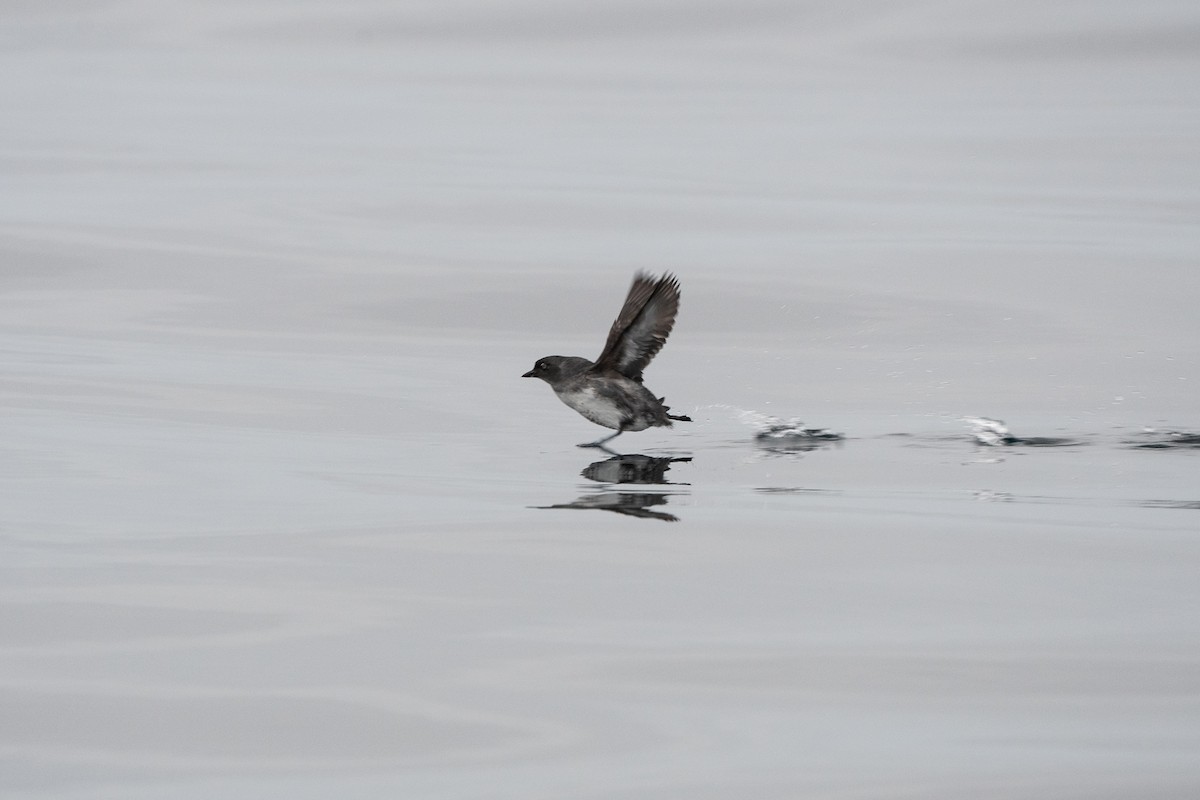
(603,440)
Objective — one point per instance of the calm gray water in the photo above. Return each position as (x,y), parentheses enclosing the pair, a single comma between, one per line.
(280,519)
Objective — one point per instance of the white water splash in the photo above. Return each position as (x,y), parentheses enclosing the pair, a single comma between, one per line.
(989,432)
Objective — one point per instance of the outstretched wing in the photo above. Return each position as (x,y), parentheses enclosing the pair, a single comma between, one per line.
(643,325)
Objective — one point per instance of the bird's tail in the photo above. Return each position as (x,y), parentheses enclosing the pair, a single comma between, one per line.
(676,417)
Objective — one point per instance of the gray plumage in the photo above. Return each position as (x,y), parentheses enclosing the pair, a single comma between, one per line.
(609,391)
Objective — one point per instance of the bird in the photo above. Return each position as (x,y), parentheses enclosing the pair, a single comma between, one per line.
(609,391)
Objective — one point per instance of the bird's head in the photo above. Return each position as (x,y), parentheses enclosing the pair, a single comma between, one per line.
(545,368)
(553,369)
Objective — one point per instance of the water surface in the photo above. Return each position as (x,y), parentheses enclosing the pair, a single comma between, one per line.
(280,518)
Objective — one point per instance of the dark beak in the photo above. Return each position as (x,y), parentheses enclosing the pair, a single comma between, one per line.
(529,374)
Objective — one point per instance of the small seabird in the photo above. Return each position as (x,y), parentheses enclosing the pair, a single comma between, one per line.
(609,392)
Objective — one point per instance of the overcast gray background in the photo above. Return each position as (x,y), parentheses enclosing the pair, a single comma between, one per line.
(269,272)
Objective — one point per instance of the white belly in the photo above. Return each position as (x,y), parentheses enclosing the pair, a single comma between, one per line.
(600,410)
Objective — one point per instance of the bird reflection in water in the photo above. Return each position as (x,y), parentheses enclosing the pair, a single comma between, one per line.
(628,469)
(633,468)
